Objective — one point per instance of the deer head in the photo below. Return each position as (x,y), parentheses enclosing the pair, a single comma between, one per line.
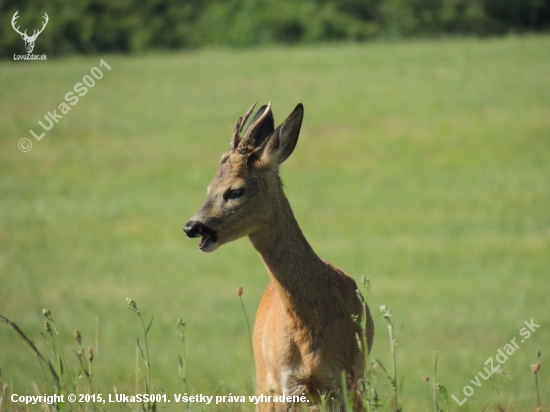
(241,198)
(29,40)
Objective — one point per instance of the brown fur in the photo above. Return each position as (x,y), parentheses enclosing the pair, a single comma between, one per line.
(304,335)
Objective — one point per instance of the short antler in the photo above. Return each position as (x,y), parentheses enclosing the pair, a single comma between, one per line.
(13,21)
(235,139)
(247,138)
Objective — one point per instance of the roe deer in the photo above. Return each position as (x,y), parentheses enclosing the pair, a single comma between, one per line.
(304,335)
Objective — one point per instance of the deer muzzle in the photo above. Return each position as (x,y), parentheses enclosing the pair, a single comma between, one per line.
(194,229)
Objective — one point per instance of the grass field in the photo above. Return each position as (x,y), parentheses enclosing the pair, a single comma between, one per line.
(424,166)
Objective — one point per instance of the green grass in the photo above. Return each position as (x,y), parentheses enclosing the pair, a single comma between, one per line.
(424,166)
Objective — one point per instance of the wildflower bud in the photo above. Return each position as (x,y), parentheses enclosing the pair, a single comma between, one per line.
(426,378)
(132,305)
(76,336)
(47,327)
(181,322)
(535,368)
(46,313)
(538,353)
(385,312)
(365,281)
(240,291)
(90,354)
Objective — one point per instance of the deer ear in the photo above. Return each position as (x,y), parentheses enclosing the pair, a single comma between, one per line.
(264,129)
(281,143)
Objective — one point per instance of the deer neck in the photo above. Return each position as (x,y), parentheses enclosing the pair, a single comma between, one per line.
(300,276)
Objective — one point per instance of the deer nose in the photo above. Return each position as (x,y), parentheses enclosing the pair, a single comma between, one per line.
(194,229)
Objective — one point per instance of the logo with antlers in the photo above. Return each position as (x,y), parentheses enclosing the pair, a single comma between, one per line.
(29,40)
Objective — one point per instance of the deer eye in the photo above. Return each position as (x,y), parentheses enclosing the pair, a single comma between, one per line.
(233,194)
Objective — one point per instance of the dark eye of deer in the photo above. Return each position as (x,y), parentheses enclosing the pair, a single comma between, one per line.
(234,194)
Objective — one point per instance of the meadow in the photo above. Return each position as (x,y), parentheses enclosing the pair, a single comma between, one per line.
(422,165)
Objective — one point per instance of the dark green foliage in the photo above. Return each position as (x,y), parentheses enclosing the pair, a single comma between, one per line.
(130,26)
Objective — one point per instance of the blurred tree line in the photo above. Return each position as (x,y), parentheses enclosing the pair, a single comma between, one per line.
(92,26)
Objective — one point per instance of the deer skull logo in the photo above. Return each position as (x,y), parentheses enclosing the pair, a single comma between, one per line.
(29,40)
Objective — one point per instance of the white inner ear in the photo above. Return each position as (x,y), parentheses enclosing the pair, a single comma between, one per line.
(282,138)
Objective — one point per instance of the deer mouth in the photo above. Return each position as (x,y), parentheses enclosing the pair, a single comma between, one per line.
(209,237)
(207,240)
